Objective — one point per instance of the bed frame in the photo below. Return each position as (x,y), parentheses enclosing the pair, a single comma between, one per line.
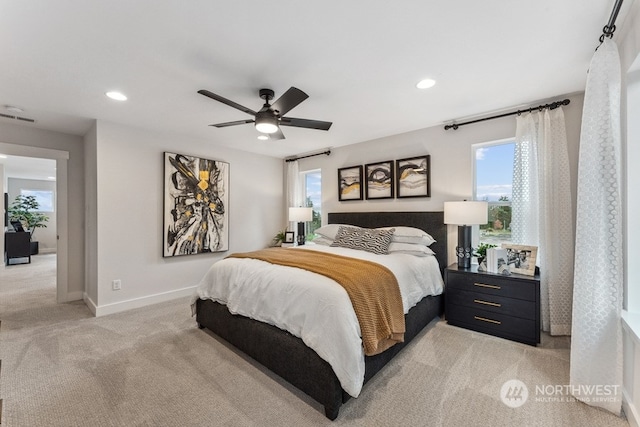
(288,356)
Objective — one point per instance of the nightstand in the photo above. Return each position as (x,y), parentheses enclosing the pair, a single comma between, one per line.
(503,306)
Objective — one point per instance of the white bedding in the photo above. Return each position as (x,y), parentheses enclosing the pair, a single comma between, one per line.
(313,307)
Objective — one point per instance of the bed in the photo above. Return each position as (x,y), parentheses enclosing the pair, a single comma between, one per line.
(289,357)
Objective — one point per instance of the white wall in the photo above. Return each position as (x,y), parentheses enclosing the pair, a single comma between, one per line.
(451,162)
(46,236)
(129,214)
(91,215)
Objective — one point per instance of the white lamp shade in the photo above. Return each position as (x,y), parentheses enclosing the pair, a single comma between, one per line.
(300,214)
(466,213)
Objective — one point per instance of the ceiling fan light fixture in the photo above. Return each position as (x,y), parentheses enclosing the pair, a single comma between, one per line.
(266,124)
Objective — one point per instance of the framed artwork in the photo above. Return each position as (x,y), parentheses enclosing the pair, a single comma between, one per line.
(521,259)
(413,177)
(379,183)
(196,199)
(288,237)
(350,183)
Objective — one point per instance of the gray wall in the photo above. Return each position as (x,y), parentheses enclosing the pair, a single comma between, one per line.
(451,162)
(124,213)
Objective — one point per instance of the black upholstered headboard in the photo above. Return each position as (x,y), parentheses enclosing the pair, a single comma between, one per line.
(431,222)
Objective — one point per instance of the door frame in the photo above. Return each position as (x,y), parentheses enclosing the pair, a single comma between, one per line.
(62,205)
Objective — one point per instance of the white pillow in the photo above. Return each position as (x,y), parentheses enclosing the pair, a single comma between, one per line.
(321,240)
(410,248)
(411,235)
(330,230)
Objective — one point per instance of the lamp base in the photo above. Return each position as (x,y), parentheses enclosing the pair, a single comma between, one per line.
(464,249)
(301,237)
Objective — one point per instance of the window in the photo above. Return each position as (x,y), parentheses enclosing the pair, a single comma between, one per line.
(312,188)
(493,182)
(44,198)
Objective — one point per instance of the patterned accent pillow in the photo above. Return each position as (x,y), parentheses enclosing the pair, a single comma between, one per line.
(366,239)
(330,230)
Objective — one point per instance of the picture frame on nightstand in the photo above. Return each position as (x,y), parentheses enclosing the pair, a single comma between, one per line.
(521,259)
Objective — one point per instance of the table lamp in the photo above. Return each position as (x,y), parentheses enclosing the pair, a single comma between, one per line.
(301,215)
(464,215)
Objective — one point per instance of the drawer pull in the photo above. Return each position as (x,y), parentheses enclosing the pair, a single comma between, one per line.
(494,304)
(484,319)
(482,285)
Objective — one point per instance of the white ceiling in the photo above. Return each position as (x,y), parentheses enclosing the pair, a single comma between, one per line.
(359,62)
(28,167)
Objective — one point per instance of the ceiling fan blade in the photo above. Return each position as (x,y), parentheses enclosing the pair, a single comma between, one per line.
(289,100)
(277,134)
(305,123)
(237,122)
(226,101)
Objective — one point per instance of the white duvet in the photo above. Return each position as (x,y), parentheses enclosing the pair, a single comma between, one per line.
(313,307)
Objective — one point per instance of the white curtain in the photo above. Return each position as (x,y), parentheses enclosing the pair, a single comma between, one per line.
(293,193)
(596,345)
(542,210)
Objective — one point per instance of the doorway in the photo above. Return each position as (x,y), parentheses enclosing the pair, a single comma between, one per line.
(59,159)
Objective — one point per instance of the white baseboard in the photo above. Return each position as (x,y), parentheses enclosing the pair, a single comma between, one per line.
(89,302)
(630,410)
(118,307)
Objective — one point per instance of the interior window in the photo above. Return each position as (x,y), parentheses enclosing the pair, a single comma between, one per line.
(493,166)
(43,197)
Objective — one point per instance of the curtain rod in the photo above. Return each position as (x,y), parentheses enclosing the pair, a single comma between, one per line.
(610,28)
(310,155)
(550,106)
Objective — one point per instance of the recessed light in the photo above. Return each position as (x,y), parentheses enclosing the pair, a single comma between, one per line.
(425,84)
(263,137)
(118,96)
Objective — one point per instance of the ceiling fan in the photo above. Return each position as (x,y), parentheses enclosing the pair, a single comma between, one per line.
(271,116)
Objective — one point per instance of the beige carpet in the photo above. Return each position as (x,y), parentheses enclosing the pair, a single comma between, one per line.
(153,367)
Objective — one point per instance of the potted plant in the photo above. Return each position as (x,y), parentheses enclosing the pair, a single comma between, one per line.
(25,210)
(481,251)
(278,238)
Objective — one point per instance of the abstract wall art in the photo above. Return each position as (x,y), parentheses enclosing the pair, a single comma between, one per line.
(196,197)
(379,180)
(350,183)
(413,177)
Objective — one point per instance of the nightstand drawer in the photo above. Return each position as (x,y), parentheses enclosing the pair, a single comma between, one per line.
(492,284)
(493,303)
(501,325)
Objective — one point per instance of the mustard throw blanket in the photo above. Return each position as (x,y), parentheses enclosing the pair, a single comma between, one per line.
(372,288)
